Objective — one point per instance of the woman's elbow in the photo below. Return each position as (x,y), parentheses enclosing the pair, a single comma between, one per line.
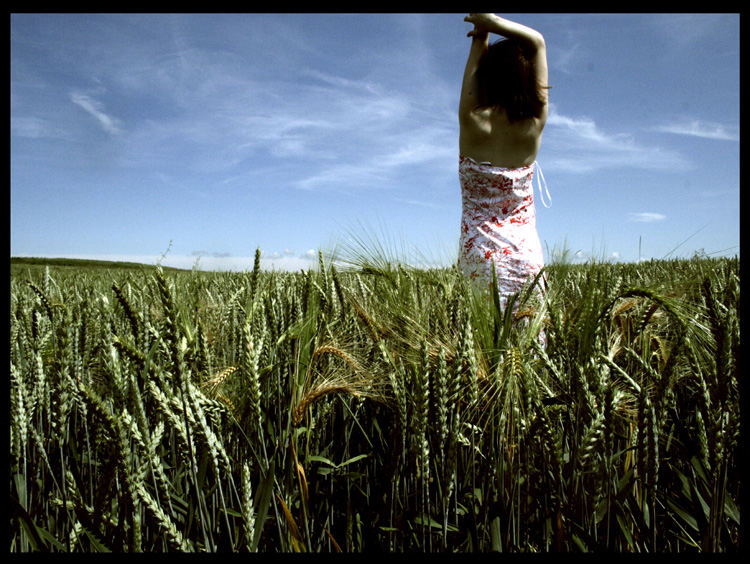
(537,39)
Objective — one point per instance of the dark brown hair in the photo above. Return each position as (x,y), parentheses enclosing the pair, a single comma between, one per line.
(507,79)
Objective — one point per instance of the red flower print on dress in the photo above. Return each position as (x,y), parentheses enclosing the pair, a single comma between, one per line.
(498,226)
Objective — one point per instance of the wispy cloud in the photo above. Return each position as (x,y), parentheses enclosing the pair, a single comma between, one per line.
(96,109)
(420,203)
(704,129)
(680,32)
(339,82)
(35,128)
(646,217)
(393,149)
(213,254)
(566,58)
(343,177)
(302,116)
(325,131)
(350,133)
(579,145)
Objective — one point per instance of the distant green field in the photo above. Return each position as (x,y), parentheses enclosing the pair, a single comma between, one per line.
(16,262)
(379,408)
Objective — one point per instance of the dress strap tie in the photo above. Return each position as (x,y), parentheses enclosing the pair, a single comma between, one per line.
(539,180)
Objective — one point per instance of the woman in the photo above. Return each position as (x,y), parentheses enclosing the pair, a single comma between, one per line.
(502,112)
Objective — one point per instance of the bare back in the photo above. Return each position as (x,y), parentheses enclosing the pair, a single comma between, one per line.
(485,135)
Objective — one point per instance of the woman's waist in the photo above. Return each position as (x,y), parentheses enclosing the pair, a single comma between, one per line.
(489,163)
(508,226)
(500,209)
(487,182)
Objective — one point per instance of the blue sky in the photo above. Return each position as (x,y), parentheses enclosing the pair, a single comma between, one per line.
(218,134)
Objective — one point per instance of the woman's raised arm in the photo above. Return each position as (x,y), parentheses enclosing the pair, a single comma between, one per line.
(492,23)
(469,90)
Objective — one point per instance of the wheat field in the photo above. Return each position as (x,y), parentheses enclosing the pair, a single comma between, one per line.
(374,408)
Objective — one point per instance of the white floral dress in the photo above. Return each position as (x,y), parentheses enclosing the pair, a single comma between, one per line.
(498,226)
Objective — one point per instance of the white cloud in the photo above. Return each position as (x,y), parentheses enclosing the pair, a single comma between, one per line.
(422,203)
(96,109)
(339,82)
(698,128)
(646,217)
(213,254)
(220,107)
(35,128)
(579,145)
(681,32)
(333,133)
(339,131)
(566,59)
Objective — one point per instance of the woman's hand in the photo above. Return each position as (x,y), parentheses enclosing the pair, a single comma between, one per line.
(483,24)
(477,33)
(492,23)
